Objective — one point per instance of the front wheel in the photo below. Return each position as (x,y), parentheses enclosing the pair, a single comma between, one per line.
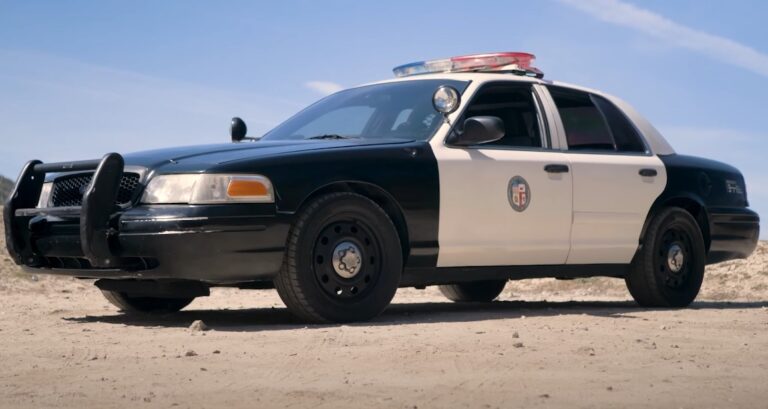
(343,260)
(145,305)
(669,267)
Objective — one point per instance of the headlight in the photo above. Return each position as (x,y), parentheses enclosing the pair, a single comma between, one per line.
(45,195)
(209,188)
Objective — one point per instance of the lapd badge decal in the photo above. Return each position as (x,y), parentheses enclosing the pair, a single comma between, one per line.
(519,193)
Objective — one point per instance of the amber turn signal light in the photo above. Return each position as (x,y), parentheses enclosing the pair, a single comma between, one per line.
(247,188)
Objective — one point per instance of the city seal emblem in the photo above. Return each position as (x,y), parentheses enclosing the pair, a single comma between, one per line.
(519,193)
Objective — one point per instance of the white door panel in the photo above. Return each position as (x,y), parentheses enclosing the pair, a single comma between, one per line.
(479,227)
(610,204)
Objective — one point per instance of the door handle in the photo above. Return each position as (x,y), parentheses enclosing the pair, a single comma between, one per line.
(556,168)
(648,172)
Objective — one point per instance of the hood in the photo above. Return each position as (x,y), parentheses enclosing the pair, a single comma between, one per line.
(201,157)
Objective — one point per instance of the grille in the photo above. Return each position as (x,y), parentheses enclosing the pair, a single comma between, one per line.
(69,190)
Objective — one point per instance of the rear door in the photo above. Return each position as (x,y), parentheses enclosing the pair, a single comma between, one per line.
(616,178)
(498,203)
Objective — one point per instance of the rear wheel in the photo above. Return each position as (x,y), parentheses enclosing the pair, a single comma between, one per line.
(145,305)
(669,267)
(478,291)
(343,260)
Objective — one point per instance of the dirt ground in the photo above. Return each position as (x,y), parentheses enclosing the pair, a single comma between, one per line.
(546,343)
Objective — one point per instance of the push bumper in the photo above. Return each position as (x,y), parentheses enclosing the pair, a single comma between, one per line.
(734,233)
(218,244)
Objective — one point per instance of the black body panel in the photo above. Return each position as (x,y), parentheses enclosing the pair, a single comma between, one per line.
(403,174)
(201,158)
(220,244)
(716,193)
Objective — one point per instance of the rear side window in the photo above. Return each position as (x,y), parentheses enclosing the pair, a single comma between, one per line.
(593,123)
(585,127)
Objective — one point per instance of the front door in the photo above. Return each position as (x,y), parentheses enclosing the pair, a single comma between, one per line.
(507,202)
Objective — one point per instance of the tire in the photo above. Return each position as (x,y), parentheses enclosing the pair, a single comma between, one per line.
(145,305)
(324,278)
(478,291)
(668,269)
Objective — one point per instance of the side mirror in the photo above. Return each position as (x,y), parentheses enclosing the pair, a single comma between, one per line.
(478,130)
(237,129)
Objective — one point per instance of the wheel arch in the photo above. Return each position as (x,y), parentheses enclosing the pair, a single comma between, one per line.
(690,203)
(378,195)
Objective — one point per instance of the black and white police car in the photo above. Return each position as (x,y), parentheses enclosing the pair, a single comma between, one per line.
(464,173)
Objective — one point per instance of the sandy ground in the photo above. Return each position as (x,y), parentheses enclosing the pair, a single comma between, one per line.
(546,343)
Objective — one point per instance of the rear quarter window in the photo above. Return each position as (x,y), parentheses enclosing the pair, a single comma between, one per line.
(625,134)
(593,123)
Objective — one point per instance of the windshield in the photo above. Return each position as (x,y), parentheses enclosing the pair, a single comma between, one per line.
(401,110)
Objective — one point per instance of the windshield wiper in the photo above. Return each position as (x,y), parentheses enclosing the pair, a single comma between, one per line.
(331,136)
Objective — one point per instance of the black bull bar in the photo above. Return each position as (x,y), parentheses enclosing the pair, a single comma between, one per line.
(96,213)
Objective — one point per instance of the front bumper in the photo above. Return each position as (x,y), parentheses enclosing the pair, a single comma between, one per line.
(217,244)
(734,233)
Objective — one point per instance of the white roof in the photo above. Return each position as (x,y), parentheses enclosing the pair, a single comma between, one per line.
(656,141)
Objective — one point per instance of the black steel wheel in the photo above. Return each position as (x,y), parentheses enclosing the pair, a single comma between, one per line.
(477,291)
(673,258)
(347,260)
(669,267)
(343,260)
(145,305)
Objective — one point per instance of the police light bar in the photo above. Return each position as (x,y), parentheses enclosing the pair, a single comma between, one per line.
(514,62)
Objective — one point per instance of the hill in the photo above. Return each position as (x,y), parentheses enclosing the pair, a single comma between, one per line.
(6,185)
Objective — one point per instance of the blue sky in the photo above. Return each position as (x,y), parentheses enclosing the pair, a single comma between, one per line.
(80,78)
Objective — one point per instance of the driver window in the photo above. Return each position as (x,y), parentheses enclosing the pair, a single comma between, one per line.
(515,106)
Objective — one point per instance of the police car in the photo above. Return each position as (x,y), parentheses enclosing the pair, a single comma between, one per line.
(464,172)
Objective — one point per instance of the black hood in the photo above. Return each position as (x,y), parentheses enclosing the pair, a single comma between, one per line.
(201,157)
